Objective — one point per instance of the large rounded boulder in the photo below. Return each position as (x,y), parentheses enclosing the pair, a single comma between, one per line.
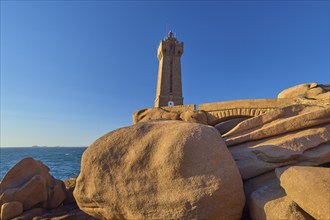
(160,169)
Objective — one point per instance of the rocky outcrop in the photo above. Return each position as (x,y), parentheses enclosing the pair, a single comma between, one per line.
(291,135)
(296,134)
(291,192)
(160,170)
(28,191)
(276,122)
(163,113)
(30,183)
(309,187)
(307,90)
(212,113)
(252,163)
(307,94)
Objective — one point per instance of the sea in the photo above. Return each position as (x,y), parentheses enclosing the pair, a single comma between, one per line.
(63,162)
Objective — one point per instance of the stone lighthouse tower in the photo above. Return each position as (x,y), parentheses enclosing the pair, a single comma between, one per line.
(169,85)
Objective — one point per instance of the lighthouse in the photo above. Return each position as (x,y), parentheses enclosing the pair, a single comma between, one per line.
(169,84)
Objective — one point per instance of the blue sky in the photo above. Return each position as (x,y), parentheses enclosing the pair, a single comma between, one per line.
(72,71)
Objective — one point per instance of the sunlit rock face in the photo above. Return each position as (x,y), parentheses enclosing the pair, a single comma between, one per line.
(307,90)
(290,135)
(309,187)
(160,170)
(30,184)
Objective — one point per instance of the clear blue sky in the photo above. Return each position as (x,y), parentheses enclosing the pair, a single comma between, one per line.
(72,71)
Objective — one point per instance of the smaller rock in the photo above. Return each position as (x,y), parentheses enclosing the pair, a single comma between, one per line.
(194,116)
(30,183)
(58,194)
(309,187)
(308,90)
(69,185)
(313,85)
(271,202)
(153,113)
(11,210)
(30,194)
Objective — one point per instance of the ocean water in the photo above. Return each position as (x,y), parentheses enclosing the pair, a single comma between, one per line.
(63,162)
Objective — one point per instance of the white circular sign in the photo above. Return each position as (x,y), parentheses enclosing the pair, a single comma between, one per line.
(170,103)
